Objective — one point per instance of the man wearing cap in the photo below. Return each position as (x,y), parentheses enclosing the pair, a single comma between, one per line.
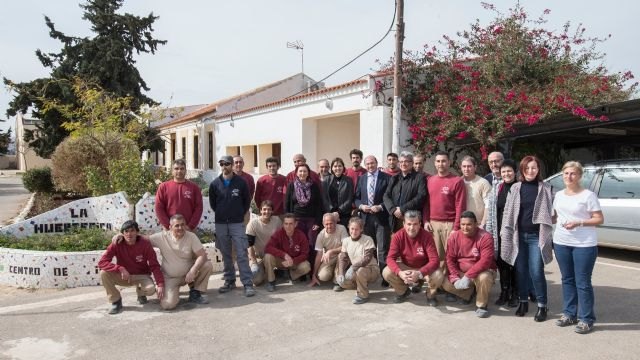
(179,196)
(136,261)
(230,199)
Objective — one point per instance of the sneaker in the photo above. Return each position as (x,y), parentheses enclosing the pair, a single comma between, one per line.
(271,286)
(482,312)
(462,301)
(116,307)
(450,298)
(417,288)
(583,328)
(249,291)
(228,286)
(401,298)
(384,284)
(337,288)
(142,300)
(566,321)
(433,302)
(358,300)
(196,297)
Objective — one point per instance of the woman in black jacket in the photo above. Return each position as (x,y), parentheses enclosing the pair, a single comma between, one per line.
(337,192)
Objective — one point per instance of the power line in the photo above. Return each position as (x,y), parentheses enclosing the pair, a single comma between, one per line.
(393,18)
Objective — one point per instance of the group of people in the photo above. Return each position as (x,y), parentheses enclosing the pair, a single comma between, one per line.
(352,226)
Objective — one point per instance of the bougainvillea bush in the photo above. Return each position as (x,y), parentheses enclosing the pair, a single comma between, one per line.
(487,80)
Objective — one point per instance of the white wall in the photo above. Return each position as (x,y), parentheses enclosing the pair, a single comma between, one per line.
(295,127)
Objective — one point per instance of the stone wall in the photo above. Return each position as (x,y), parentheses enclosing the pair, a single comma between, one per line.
(145,215)
(41,269)
(107,212)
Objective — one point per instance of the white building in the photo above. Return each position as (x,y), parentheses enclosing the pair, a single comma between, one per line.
(26,158)
(282,119)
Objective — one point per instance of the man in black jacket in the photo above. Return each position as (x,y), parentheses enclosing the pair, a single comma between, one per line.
(230,200)
(406,191)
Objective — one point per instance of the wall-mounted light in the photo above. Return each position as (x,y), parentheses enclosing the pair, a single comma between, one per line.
(329,103)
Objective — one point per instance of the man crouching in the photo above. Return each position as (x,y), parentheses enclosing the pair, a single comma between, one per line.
(136,261)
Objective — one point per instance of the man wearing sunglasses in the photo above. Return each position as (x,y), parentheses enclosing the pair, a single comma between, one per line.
(230,199)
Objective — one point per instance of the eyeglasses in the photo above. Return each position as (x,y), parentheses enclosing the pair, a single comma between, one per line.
(224,164)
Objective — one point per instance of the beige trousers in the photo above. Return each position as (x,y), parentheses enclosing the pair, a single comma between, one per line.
(328,271)
(271,263)
(441,231)
(143,283)
(434,280)
(172,286)
(483,283)
(361,280)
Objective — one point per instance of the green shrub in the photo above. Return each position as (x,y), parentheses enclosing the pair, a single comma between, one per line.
(200,181)
(75,155)
(75,240)
(130,175)
(38,180)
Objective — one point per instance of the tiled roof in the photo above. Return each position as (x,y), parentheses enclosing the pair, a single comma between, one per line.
(211,108)
(301,96)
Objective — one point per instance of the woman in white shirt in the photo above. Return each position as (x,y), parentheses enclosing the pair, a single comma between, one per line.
(576,212)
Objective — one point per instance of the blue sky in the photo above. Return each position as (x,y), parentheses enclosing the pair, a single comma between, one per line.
(219,48)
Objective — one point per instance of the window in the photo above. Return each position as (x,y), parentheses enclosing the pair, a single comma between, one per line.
(173,150)
(620,184)
(210,149)
(196,153)
(255,156)
(275,151)
(184,148)
(558,184)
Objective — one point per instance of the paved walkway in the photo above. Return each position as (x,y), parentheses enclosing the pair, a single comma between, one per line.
(296,322)
(13,196)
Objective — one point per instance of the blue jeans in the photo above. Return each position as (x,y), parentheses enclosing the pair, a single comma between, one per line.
(529,264)
(227,237)
(576,266)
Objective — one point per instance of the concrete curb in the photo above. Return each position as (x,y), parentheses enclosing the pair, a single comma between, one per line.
(25,211)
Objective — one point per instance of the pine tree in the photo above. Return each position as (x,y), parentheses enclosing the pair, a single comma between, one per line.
(106,59)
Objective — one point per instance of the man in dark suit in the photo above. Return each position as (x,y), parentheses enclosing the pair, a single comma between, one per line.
(369,198)
(406,191)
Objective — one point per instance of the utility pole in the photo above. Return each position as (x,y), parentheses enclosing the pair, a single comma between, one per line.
(397,78)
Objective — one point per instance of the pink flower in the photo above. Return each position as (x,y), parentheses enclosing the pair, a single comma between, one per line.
(461,135)
(440,138)
(580,111)
(510,96)
(532,119)
(498,30)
